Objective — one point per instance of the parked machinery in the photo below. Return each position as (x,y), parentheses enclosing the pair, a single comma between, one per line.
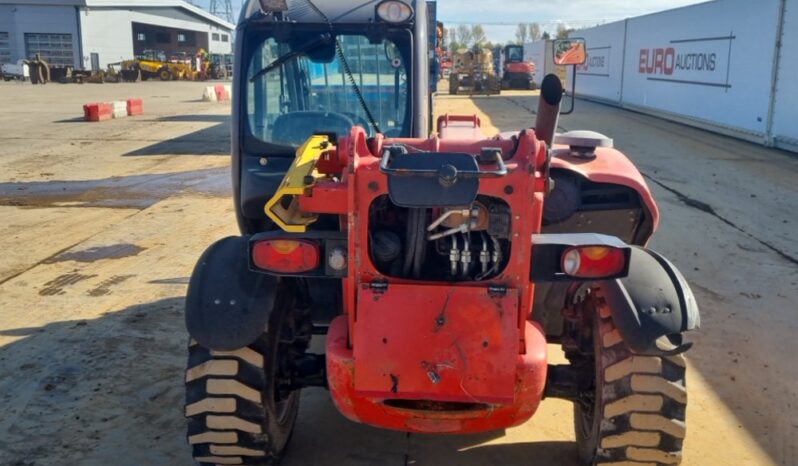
(155,64)
(39,70)
(516,72)
(473,73)
(19,70)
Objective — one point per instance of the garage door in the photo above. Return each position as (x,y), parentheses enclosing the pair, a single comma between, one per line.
(5,48)
(55,48)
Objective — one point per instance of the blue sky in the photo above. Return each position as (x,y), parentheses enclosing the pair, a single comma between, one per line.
(500,21)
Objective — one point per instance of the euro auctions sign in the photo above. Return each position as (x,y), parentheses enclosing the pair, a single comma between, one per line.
(696,62)
(597,63)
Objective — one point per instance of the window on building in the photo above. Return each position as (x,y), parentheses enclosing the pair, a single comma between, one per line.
(215,36)
(5,48)
(57,49)
(163,38)
(187,38)
(225,38)
(141,37)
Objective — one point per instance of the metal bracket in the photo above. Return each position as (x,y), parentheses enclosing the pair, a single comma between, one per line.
(300,176)
(379,287)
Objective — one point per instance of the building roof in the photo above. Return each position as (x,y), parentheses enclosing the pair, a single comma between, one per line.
(129,4)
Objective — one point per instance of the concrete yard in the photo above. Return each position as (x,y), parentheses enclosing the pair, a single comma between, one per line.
(103,222)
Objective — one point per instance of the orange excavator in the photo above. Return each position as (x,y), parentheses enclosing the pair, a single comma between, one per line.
(516,73)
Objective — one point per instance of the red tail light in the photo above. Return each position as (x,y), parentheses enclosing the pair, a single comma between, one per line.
(285,255)
(593,261)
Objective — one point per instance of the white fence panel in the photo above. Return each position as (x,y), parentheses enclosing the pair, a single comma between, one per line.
(710,62)
(537,52)
(785,115)
(602,73)
(541,53)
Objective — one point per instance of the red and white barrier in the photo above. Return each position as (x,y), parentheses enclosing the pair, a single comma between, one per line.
(98,111)
(218,93)
(221,93)
(101,111)
(119,108)
(135,107)
(209,94)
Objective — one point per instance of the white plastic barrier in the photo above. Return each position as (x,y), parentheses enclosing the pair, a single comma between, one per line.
(602,74)
(209,94)
(784,130)
(119,108)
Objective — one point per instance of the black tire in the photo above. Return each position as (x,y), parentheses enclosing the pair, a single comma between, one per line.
(494,85)
(45,72)
(35,71)
(454,83)
(640,400)
(165,75)
(237,411)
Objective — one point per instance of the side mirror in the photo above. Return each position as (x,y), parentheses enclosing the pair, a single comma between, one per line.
(570,51)
(271,6)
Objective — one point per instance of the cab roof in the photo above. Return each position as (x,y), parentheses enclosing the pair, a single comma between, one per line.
(338,11)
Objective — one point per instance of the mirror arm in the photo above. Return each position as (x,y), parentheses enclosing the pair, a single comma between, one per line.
(573,93)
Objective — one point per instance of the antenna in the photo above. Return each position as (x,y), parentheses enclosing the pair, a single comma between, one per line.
(222,9)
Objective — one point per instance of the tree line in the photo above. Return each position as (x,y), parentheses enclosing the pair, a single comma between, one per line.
(464,36)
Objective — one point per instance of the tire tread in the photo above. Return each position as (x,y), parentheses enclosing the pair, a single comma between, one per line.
(643,405)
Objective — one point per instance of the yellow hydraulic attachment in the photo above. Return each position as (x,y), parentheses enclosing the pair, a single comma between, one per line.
(283,207)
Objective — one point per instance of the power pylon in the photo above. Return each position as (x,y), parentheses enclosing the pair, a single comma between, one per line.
(222,9)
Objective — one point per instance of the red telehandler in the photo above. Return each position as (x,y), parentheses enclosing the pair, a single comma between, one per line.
(438,268)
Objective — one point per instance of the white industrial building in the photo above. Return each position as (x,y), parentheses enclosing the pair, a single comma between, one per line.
(89,34)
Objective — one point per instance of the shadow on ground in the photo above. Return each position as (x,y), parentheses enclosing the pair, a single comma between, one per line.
(110,391)
(213,140)
(102,391)
(211,118)
(496,108)
(722,366)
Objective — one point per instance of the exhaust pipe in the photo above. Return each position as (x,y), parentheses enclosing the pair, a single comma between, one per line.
(548,108)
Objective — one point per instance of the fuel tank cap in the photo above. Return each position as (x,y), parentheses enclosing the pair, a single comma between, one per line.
(583,143)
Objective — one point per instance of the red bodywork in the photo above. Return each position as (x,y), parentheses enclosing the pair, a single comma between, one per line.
(439,357)
(608,166)
(519,67)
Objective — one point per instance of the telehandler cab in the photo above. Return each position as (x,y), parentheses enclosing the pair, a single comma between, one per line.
(439,268)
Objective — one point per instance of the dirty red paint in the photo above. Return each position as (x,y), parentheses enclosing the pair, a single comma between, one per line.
(439,342)
(432,342)
(528,385)
(609,166)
